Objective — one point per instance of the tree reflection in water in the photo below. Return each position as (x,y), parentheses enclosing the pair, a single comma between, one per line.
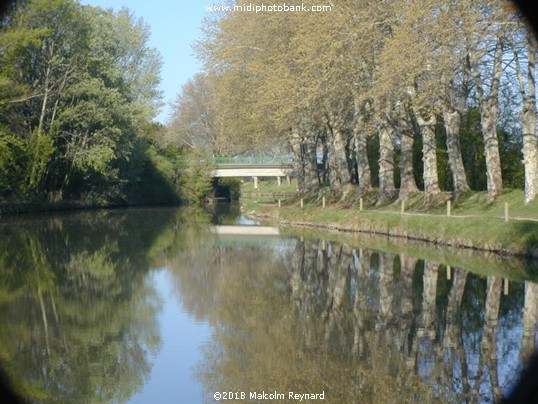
(361,325)
(78,312)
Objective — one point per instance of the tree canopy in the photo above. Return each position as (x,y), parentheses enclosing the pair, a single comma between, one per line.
(78,89)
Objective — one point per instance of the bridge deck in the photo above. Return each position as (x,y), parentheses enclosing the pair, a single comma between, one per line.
(253,170)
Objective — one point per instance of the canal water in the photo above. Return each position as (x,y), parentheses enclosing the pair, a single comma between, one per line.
(166,305)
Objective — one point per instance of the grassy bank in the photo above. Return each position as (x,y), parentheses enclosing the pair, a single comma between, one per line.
(473,222)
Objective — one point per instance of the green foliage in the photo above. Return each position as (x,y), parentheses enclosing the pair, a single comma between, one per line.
(24,164)
(195,180)
(157,182)
(512,165)
(78,85)
(472,146)
(12,162)
(40,151)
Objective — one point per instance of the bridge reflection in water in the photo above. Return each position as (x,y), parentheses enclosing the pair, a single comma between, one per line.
(253,236)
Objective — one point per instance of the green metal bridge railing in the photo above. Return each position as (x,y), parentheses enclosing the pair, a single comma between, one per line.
(253,160)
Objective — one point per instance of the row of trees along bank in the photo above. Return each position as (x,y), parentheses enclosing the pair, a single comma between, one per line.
(78,92)
(431,94)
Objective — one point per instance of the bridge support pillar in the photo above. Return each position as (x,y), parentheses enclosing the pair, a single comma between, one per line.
(278,181)
(288,180)
(255,182)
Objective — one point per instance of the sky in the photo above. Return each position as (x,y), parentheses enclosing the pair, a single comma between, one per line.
(175,25)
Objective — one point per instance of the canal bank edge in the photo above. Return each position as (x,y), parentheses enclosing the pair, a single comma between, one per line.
(515,238)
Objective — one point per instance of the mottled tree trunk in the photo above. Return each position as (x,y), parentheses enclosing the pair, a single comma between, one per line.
(527,116)
(363,166)
(387,189)
(360,139)
(489,112)
(408,185)
(429,155)
(332,166)
(530,149)
(452,120)
(297,162)
(339,175)
(303,147)
(310,166)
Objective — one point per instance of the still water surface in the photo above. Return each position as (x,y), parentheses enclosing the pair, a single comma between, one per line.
(172,305)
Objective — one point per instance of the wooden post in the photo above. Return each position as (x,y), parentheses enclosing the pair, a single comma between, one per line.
(255,182)
(302,203)
(288,180)
(506,286)
(506,211)
(402,208)
(323,202)
(360,204)
(278,181)
(448,208)
(279,204)
(448,272)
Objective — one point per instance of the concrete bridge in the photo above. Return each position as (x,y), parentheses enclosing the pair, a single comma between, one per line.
(253,167)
